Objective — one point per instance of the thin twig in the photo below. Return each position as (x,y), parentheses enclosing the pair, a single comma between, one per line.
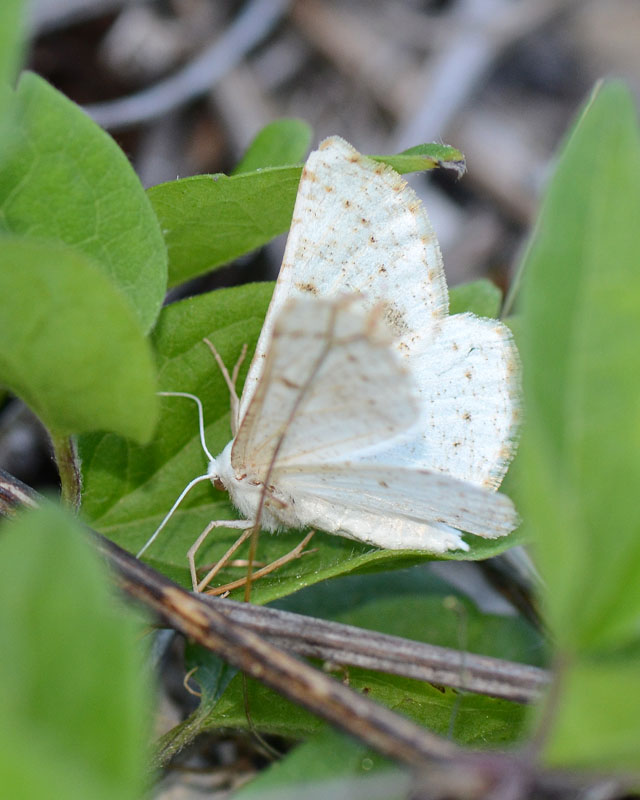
(347,645)
(256,20)
(387,732)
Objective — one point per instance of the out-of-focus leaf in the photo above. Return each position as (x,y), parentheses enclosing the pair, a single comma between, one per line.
(333,764)
(12,16)
(597,725)
(579,344)
(74,699)
(579,469)
(72,348)
(65,180)
(11,32)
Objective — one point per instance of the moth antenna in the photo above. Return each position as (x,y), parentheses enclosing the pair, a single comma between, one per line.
(183,494)
(196,400)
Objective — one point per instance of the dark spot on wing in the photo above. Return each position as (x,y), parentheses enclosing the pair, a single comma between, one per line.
(307,287)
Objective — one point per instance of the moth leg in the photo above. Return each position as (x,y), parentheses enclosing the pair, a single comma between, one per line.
(279,562)
(244,524)
(230,380)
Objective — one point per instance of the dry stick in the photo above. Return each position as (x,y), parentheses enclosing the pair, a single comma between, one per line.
(350,646)
(252,25)
(384,730)
(346,644)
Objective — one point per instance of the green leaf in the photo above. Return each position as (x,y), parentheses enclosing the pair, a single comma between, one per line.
(130,489)
(208,220)
(12,26)
(12,19)
(65,180)
(426,156)
(334,765)
(579,345)
(74,697)
(475,720)
(482,297)
(282,142)
(72,348)
(597,723)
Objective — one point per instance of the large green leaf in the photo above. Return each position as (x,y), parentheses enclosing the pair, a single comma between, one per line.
(473,720)
(12,18)
(66,180)
(597,722)
(579,469)
(282,142)
(580,335)
(129,489)
(74,698)
(416,604)
(72,348)
(208,220)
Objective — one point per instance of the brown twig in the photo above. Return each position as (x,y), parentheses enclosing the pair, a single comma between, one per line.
(347,645)
(387,732)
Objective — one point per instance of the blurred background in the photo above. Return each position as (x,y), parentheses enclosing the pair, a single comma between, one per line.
(184,85)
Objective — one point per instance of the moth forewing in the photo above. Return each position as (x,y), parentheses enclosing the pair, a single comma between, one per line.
(331,386)
(358,227)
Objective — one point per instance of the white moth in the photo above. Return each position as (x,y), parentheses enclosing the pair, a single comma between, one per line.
(368,411)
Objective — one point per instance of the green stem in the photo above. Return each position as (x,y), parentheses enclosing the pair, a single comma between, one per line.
(66,456)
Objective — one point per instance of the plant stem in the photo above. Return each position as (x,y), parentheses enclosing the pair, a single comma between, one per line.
(66,455)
